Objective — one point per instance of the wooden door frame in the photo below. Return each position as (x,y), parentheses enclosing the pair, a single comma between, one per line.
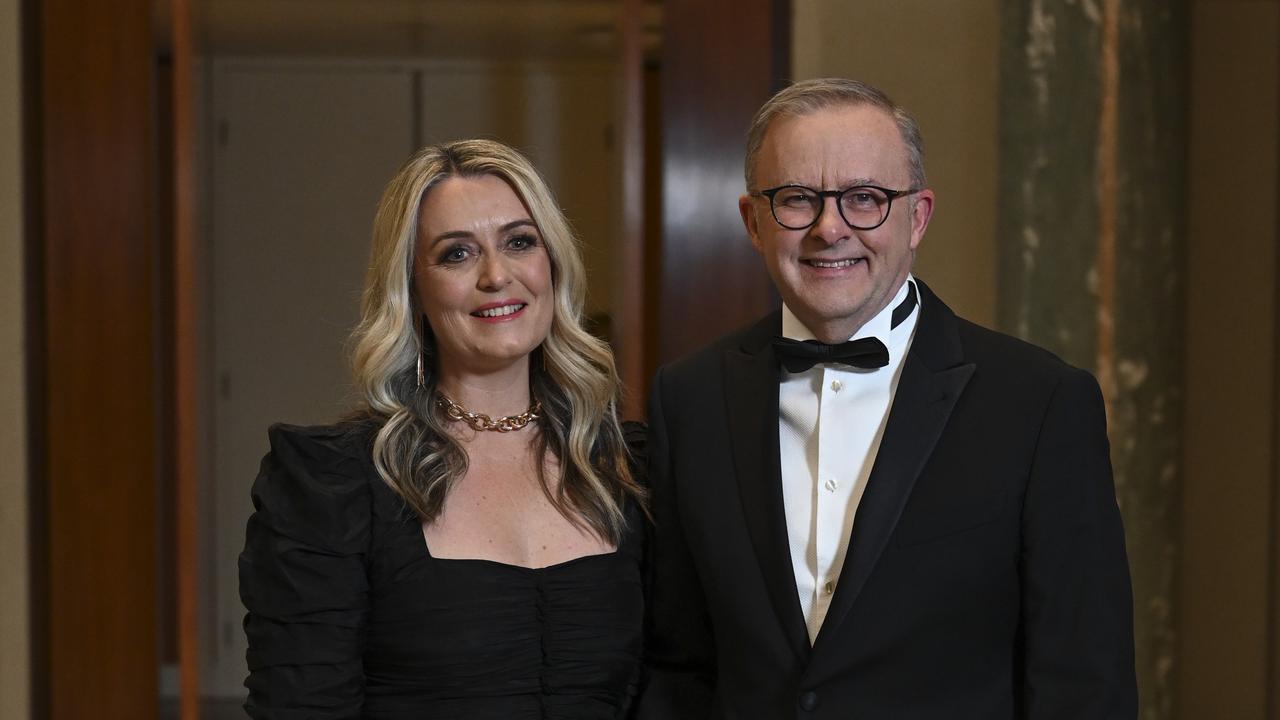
(715,75)
(33,312)
(91,234)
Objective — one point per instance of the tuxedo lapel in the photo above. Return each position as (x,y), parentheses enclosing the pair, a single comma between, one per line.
(751,384)
(933,377)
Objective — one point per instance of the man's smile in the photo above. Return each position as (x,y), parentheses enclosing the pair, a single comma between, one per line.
(819,263)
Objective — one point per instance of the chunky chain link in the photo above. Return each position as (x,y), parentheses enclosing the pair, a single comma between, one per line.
(480,421)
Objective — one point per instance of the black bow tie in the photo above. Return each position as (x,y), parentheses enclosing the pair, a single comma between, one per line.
(797,356)
(867,353)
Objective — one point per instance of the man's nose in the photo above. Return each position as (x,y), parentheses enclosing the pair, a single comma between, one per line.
(830,226)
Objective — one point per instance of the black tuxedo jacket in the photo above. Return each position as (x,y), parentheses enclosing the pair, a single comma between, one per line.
(985,577)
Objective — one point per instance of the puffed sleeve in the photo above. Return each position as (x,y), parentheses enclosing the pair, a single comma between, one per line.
(303,578)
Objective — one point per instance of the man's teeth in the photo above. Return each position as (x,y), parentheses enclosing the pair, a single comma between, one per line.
(832,263)
(500,311)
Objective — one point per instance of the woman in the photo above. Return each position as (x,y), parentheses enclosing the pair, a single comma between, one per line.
(469,545)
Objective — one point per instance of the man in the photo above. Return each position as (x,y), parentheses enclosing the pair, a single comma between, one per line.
(918,524)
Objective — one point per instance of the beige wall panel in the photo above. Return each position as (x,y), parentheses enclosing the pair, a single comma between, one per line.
(14,649)
(937,58)
(1231,363)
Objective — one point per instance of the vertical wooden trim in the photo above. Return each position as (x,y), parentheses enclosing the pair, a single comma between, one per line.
(1273,619)
(779,46)
(652,85)
(628,300)
(1108,189)
(98,390)
(185,362)
(33,309)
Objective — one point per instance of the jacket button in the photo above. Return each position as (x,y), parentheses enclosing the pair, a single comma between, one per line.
(809,700)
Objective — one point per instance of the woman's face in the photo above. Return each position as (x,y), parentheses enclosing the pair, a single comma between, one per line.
(482,275)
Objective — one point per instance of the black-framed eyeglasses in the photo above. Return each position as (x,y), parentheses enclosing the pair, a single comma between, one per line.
(862,207)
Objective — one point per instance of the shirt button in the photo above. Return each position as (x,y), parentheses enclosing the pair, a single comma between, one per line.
(828,588)
(836,386)
(831,485)
(809,701)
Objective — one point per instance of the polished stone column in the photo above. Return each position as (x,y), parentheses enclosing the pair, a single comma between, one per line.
(1091,245)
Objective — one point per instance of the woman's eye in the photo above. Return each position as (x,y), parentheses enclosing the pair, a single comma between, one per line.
(454,254)
(522,242)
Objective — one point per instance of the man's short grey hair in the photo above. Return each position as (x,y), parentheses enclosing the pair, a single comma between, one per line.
(809,96)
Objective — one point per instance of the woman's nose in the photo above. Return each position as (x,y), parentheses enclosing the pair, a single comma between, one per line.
(494,272)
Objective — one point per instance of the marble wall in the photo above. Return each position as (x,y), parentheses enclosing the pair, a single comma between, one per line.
(1091,252)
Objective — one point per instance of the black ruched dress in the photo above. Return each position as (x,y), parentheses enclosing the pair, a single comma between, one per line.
(351,617)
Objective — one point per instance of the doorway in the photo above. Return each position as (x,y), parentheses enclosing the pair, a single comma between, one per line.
(306,110)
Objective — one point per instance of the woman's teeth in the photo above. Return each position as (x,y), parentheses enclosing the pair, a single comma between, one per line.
(499,311)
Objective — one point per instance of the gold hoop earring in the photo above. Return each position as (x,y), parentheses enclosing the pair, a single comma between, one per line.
(422,351)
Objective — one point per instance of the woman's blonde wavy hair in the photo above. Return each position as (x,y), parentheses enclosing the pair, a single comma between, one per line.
(572,373)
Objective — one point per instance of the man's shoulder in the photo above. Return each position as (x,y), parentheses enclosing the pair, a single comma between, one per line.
(984,343)
(1012,360)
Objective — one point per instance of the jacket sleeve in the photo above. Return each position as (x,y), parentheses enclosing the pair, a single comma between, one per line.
(1077,603)
(303,579)
(679,646)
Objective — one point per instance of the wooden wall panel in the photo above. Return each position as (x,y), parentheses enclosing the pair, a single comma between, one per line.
(98,395)
(1229,458)
(721,60)
(628,300)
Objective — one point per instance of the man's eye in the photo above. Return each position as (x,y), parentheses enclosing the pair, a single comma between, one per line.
(796,199)
(861,198)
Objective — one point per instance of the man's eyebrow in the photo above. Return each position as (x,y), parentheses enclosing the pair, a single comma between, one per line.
(467,235)
(844,184)
(859,182)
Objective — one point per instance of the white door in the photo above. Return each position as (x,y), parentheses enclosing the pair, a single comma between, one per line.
(301,152)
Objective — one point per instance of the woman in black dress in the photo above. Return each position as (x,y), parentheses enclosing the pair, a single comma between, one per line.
(469,545)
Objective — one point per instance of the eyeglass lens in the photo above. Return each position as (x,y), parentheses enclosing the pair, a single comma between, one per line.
(862,207)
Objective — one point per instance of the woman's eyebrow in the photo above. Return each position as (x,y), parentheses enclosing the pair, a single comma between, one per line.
(451,235)
(467,235)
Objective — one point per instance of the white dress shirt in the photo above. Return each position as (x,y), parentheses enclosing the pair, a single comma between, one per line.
(830,421)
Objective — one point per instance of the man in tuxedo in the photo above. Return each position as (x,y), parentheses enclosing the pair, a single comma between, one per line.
(865,506)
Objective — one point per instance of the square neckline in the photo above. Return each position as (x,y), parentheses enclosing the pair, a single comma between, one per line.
(426,549)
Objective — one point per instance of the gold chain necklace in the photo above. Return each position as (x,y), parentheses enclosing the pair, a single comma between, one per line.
(480,421)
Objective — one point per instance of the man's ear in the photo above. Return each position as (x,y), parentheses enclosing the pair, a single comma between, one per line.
(747,209)
(921,213)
